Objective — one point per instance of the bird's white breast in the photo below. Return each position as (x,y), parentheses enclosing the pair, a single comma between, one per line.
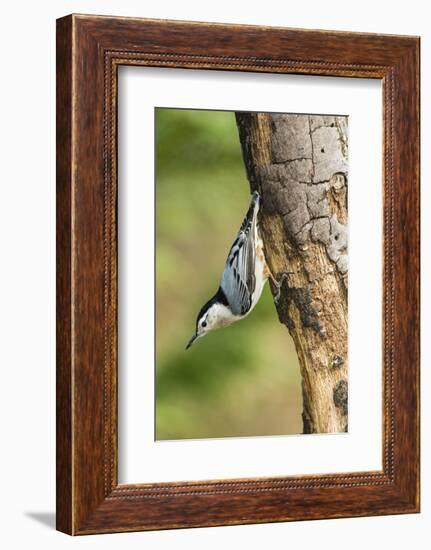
(220,316)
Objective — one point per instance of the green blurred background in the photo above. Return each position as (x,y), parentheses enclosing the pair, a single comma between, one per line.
(242,380)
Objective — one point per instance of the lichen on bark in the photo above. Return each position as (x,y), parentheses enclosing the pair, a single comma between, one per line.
(299,164)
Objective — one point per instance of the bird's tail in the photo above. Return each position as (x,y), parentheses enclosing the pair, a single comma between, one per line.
(251,216)
(255,198)
(255,205)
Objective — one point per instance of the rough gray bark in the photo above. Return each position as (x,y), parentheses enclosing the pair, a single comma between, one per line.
(299,165)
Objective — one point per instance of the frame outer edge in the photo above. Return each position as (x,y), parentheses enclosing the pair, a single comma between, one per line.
(64,368)
(407,270)
(81,508)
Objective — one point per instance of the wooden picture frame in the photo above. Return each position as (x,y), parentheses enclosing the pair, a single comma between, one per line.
(89,52)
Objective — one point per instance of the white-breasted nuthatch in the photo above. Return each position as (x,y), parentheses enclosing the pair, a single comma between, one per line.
(242,281)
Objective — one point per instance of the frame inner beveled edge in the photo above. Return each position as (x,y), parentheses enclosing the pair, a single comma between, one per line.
(155,490)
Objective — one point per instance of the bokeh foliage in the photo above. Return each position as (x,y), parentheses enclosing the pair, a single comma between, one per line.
(239,381)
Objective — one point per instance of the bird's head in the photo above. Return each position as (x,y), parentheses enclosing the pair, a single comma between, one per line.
(214,314)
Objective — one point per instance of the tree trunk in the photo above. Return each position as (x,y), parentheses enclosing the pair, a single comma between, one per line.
(298,163)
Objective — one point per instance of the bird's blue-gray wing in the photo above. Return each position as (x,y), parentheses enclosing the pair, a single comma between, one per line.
(238,280)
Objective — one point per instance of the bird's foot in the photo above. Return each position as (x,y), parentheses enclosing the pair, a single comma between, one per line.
(278,285)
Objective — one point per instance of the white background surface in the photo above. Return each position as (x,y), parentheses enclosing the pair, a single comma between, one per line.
(27,120)
(141,458)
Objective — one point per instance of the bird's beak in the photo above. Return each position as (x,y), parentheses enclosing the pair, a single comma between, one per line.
(192,339)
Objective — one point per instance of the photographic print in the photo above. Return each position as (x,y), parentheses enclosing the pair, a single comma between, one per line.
(243,198)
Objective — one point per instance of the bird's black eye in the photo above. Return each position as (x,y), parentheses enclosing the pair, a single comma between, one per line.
(204,324)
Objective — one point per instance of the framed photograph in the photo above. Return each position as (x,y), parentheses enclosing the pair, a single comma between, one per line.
(237,274)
